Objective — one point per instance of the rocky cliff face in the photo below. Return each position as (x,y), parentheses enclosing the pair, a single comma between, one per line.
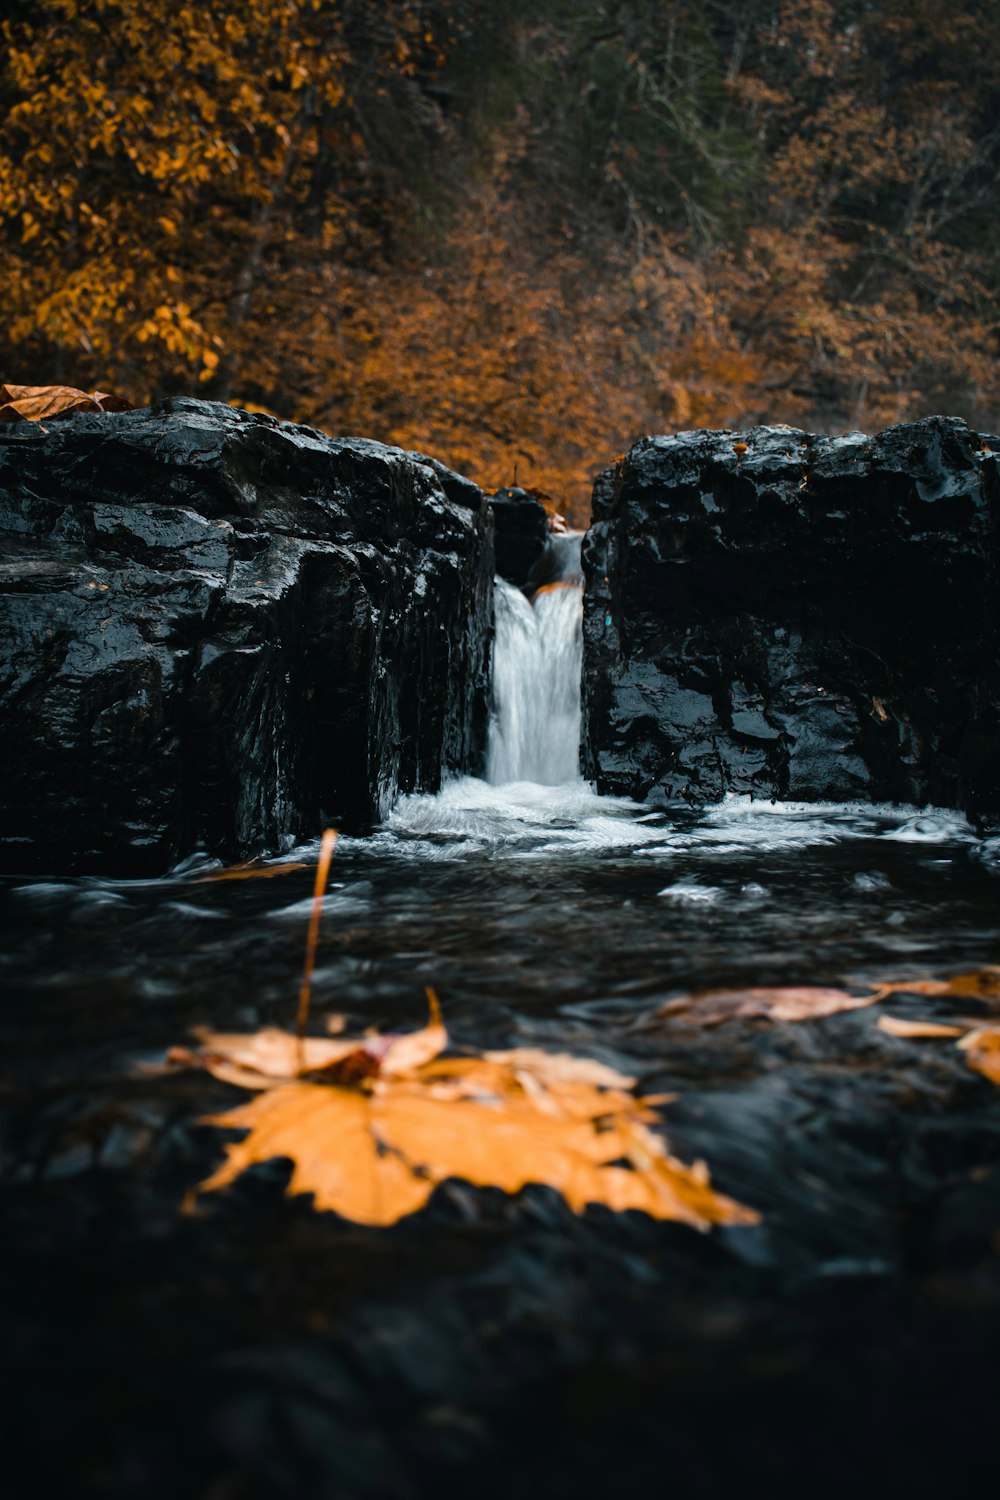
(219,630)
(797,617)
(222,631)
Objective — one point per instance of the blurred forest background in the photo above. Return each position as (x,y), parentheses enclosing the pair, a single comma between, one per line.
(516,234)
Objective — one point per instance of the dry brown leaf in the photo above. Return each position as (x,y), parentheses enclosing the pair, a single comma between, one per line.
(372,1146)
(796,1003)
(264,1059)
(980,984)
(375,1157)
(983,1049)
(33,403)
(511,1143)
(897,1026)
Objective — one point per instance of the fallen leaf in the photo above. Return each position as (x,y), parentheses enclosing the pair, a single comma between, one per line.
(795,1003)
(405,1054)
(562,1067)
(897,1026)
(33,403)
(326,1133)
(372,1145)
(264,1059)
(983,1049)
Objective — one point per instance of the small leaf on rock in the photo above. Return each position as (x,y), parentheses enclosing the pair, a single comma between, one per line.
(33,403)
(897,1026)
(794,1003)
(983,1049)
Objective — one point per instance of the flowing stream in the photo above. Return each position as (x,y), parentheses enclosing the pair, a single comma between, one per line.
(522,894)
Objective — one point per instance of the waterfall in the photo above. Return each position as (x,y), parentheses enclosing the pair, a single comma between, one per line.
(537,661)
(534,799)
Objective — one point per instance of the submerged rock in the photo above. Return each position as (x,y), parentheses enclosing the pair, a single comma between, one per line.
(223,631)
(798,617)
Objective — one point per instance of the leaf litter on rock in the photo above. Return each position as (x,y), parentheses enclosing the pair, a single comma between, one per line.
(373,1125)
(815,1002)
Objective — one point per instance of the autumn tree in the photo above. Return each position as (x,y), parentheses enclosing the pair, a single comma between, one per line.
(159,162)
(517,236)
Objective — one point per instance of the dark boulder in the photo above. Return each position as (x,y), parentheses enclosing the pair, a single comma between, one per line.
(522,534)
(222,631)
(798,617)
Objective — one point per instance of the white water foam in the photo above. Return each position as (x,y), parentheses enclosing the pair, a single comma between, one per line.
(528,819)
(520,817)
(744,825)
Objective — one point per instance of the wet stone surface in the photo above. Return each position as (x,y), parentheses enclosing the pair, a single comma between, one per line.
(218,630)
(491,1345)
(781,614)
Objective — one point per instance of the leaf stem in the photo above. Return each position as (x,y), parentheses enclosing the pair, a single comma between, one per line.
(322,875)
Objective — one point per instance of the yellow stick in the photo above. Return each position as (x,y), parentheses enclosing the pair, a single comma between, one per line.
(322,875)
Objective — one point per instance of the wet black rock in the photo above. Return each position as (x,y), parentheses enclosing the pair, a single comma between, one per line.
(790,616)
(522,534)
(222,631)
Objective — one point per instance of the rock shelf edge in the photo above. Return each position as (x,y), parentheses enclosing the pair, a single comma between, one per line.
(219,631)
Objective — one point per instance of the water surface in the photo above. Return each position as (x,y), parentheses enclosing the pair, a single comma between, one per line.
(258,1348)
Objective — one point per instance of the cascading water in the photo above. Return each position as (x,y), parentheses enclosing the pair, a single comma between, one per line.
(534,797)
(534,802)
(537,660)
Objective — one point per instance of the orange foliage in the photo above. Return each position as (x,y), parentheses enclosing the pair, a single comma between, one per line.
(704,214)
